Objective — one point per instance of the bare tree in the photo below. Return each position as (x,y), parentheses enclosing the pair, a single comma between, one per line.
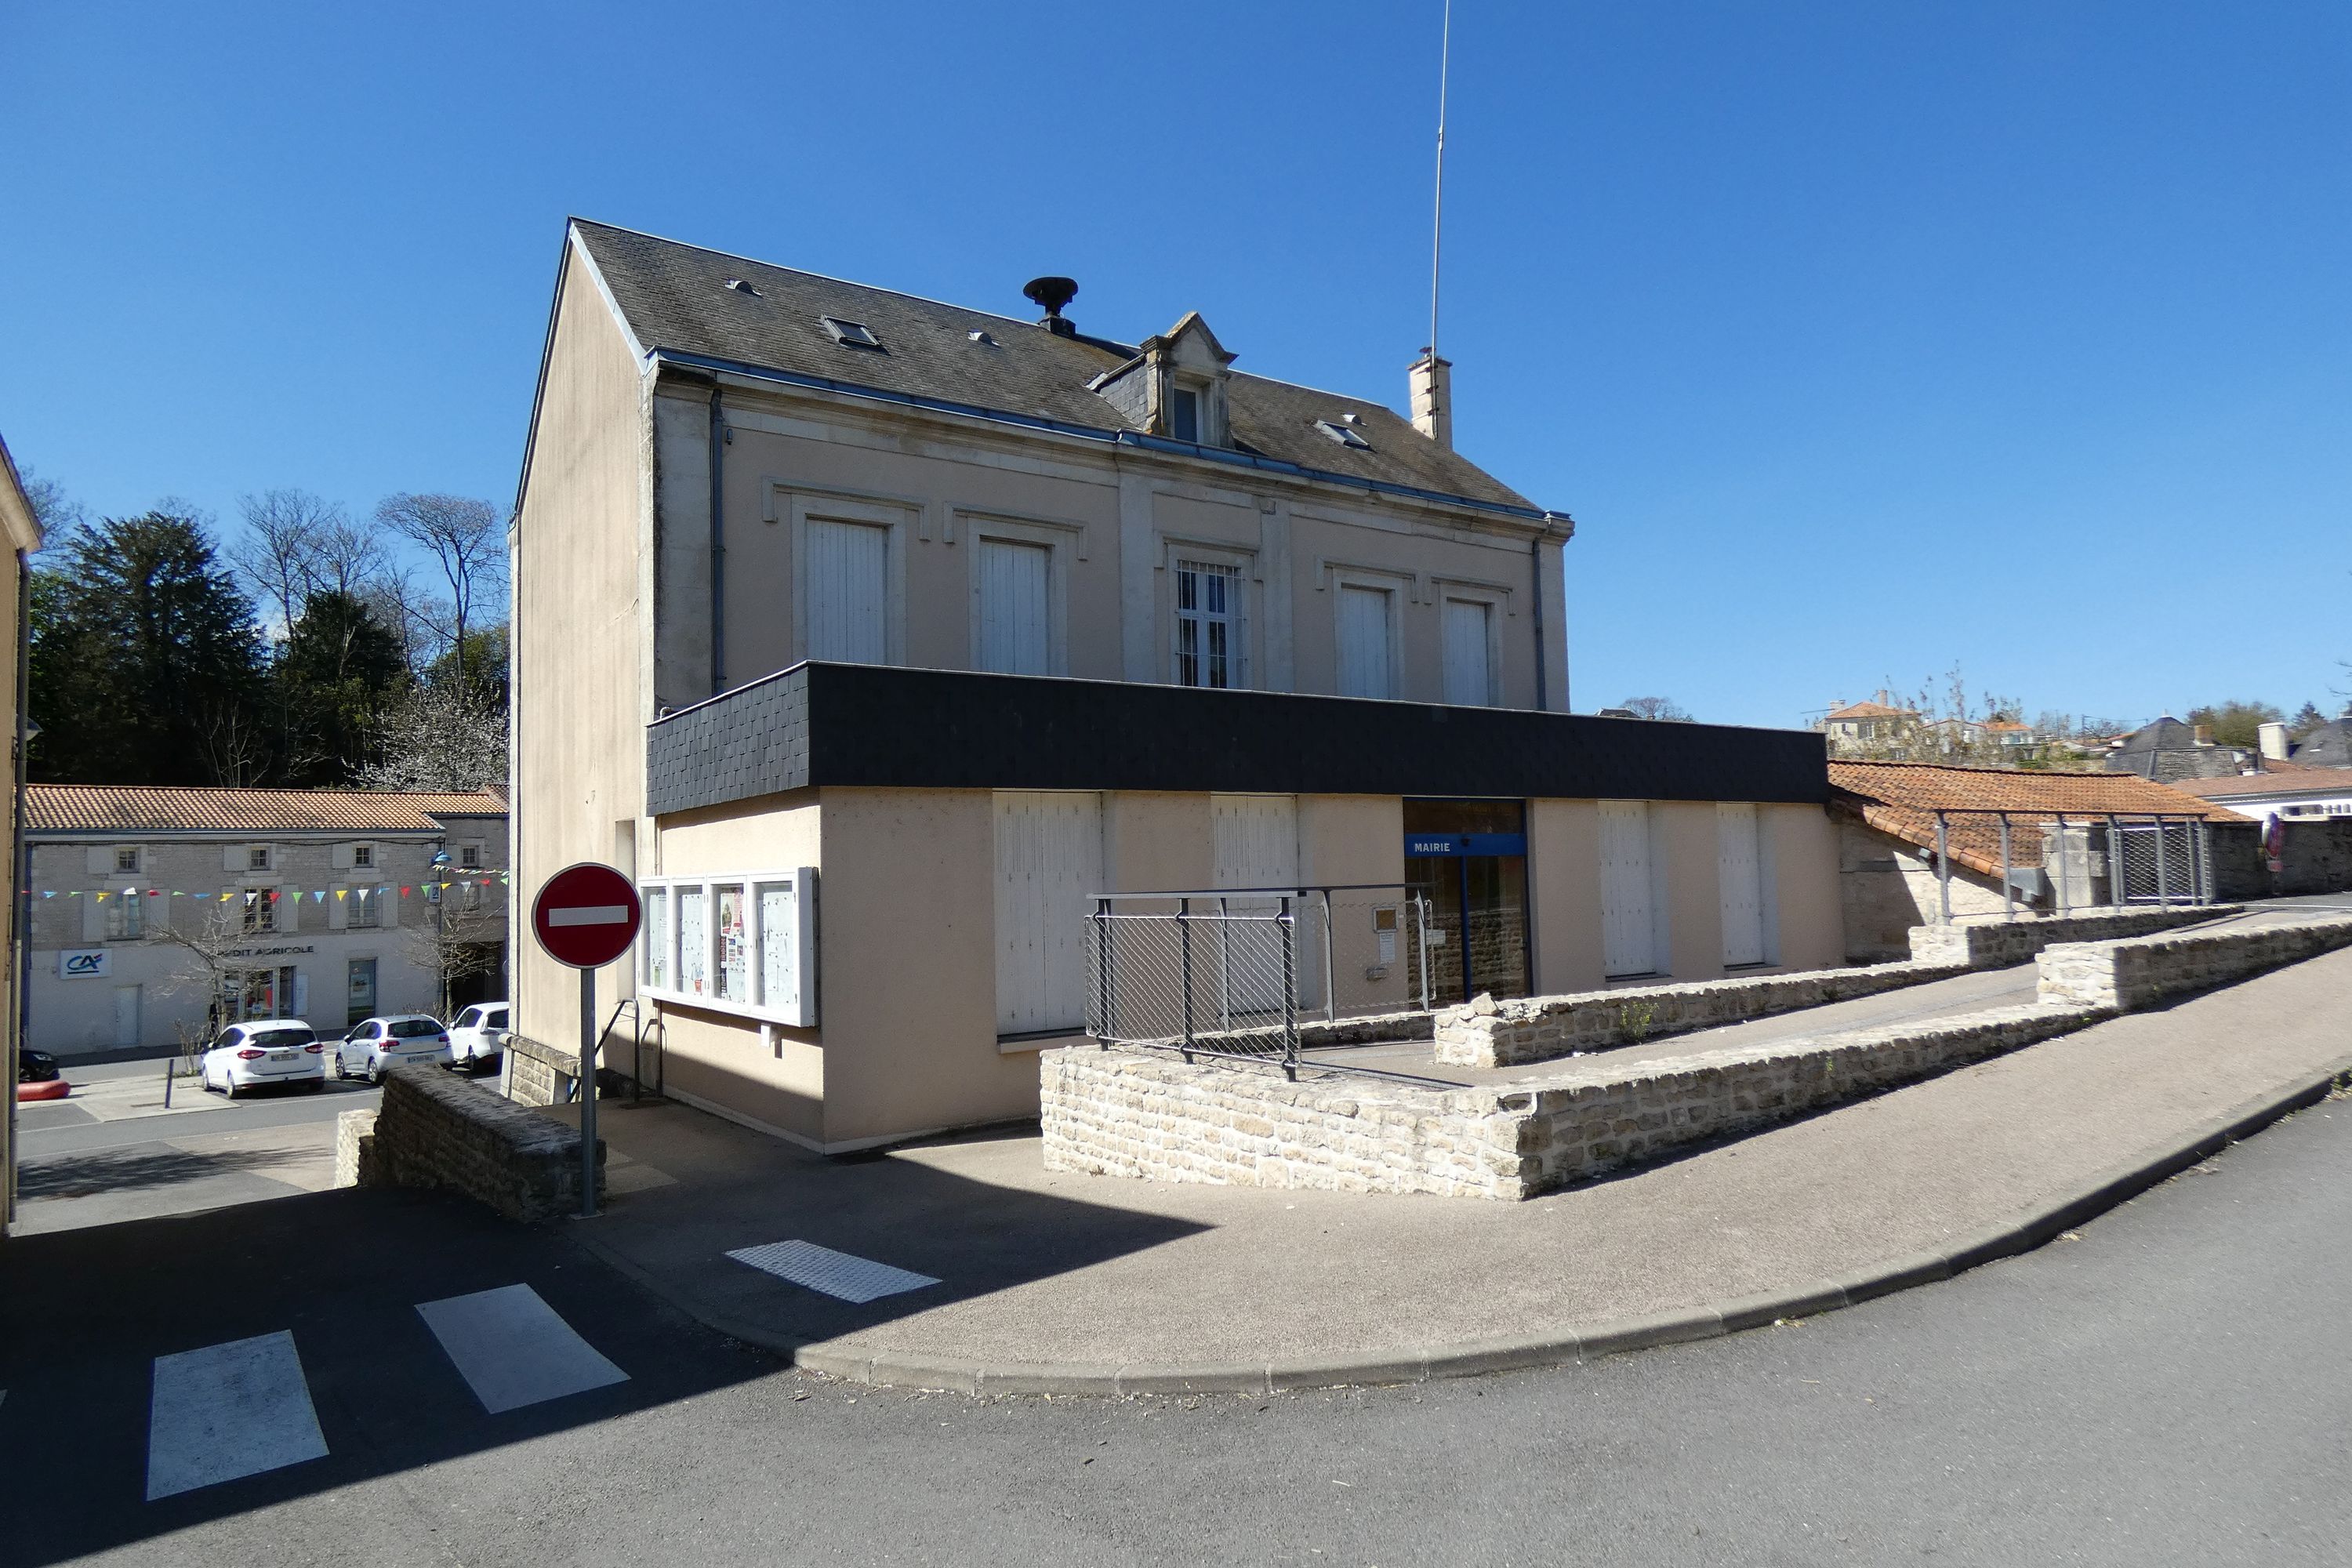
(464,539)
(460,943)
(279,551)
(347,559)
(1664,707)
(233,745)
(445,735)
(206,951)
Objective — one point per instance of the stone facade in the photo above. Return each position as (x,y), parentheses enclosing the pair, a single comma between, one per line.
(435,1129)
(2130,975)
(355,1149)
(1490,1034)
(1996,944)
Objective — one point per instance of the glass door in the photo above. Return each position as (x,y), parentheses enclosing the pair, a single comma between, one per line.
(1468,858)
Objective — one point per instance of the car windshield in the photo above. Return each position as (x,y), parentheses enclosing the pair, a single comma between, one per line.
(281,1037)
(409,1028)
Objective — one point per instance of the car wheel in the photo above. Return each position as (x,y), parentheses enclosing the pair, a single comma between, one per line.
(341,1071)
(375,1070)
(230,1088)
(315,1086)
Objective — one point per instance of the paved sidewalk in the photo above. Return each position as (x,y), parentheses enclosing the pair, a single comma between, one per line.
(1068,1282)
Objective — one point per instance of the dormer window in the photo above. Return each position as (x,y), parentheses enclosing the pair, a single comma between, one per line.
(1184,414)
(850,334)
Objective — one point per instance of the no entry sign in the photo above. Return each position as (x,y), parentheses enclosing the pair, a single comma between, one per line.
(586,916)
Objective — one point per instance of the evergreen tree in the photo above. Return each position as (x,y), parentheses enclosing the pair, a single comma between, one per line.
(145,665)
(339,670)
(2306,719)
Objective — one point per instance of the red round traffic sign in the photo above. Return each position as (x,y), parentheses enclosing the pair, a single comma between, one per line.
(586,916)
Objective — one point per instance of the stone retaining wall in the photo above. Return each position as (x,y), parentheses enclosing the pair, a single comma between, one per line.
(1152,1115)
(1133,1114)
(2133,975)
(1490,1034)
(1996,944)
(435,1130)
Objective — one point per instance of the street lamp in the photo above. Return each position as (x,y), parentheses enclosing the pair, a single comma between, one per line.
(440,941)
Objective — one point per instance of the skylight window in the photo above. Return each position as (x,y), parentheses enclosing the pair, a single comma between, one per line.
(1343,433)
(850,334)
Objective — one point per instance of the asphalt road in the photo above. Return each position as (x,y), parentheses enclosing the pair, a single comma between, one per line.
(2168,1389)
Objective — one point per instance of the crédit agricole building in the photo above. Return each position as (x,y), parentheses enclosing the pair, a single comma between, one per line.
(874,637)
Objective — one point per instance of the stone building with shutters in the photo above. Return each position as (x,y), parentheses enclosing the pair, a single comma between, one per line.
(877,637)
(325,905)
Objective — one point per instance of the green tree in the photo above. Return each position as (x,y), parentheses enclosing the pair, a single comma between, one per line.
(145,664)
(2306,719)
(2236,723)
(339,670)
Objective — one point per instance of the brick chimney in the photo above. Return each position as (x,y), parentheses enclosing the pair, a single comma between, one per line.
(1432,398)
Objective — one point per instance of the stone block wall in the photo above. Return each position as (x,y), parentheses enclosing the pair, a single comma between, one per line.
(2140,972)
(1150,1116)
(1996,944)
(355,1149)
(435,1130)
(1489,1034)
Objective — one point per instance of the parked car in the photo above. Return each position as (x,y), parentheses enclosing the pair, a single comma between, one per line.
(35,1067)
(262,1051)
(376,1045)
(478,1036)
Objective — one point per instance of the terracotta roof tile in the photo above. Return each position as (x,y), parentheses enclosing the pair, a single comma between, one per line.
(140,808)
(1902,799)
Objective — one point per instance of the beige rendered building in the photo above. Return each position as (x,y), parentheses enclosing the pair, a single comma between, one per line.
(877,637)
(23,533)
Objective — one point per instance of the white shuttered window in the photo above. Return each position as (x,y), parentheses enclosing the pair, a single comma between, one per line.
(846,601)
(1469,680)
(1048,868)
(1628,917)
(1739,872)
(1015,624)
(1365,655)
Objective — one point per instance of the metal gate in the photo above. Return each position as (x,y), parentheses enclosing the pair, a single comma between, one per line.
(2159,861)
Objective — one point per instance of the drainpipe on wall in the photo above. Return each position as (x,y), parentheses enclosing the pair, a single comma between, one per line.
(19,914)
(1535,571)
(717,544)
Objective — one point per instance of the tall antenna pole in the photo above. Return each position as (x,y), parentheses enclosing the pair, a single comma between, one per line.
(1437,219)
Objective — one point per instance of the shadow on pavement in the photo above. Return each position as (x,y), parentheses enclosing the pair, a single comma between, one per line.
(139,1166)
(83,1314)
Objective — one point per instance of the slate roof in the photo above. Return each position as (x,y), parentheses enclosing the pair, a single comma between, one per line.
(139,808)
(1902,799)
(675,297)
(2329,746)
(2275,782)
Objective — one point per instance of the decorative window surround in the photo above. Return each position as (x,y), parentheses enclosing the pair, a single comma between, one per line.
(1243,563)
(777,914)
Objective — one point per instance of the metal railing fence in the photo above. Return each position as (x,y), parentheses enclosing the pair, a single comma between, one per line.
(1247,973)
(2064,861)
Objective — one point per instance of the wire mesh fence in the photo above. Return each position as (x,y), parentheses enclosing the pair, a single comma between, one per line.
(1250,972)
(2059,862)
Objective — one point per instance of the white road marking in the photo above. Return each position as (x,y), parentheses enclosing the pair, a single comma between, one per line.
(227,1411)
(851,1279)
(513,1349)
(590,915)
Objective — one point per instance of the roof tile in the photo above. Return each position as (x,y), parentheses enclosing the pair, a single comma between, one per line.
(141,808)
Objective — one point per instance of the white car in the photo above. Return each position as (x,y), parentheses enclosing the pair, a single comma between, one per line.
(478,1036)
(376,1045)
(265,1051)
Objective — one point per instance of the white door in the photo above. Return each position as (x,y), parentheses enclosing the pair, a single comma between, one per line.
(126,1017)
(1468,681)
(845,595)
(1365,657)
(1257,846)
(1048,868)
(1013,624)
(1740,872)
(1628,926)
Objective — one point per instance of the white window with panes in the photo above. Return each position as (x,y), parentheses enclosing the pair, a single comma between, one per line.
(1208,624)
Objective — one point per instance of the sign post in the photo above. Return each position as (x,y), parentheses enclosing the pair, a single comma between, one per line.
(585,916)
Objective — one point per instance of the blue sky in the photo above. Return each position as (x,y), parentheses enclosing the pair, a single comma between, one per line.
(1861,338)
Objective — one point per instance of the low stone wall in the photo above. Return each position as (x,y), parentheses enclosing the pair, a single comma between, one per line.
(2132,974)
(435,1129)
(1996,944)
(530,1073)
(1133,1114)
(1490,1034)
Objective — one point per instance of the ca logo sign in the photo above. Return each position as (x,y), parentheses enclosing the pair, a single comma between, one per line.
(80,965)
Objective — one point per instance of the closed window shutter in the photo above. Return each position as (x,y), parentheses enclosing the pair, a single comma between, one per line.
(338,909)
(845,593)
(390,894)
(98,860)
(233,857)
(93,918)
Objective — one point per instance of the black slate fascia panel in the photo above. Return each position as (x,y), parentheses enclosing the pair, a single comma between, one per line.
(888,727)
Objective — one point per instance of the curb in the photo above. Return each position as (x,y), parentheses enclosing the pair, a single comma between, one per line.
(1552,1347)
